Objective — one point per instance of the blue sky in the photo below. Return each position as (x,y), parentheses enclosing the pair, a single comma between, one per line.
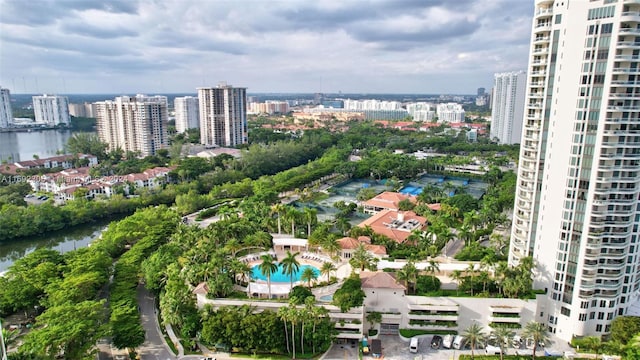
(353,46)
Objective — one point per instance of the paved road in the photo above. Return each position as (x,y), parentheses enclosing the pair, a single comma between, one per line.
(154,347)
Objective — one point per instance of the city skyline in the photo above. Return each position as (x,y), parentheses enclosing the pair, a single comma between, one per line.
(352,47)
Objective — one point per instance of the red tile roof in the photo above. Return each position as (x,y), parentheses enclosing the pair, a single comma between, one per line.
(202,288)
(349,243)
(379,280)
(388,200)
(395,224)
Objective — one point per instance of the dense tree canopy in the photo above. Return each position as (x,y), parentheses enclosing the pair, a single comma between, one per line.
(350,294)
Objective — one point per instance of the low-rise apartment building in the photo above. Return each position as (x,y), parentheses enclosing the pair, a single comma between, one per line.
(385,295)
(66,184)
(63,161)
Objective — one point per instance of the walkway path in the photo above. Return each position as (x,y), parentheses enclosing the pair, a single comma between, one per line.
(154,346)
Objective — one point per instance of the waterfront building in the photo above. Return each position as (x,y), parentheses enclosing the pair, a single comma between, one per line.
(137,123)
(507,111)
(6,115)
(223,115)
(450,112)
(83,110)
(577,200)
(51,110)
(187,114)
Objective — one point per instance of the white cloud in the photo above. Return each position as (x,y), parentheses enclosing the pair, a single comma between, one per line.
(402,46)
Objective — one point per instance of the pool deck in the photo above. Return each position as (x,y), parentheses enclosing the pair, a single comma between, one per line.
(343,270)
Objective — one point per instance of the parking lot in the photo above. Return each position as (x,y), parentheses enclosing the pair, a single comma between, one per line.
(393,348)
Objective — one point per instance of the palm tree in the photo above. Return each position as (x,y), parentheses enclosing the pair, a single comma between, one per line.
(293,315)
(283,313)
(326,269)
(268,267)
(290,265)
(239,269)
(343,225)
(408,274)
(310,216)
(502,335)
(473,335)
(498,242)
(472,219)
(471,270)
(456,275)
(317,312)
(433,268)
(362,259)
(292,215)
(536,331)
(465,233)
(500,273)
(331,246)
(308,275)
(278,209)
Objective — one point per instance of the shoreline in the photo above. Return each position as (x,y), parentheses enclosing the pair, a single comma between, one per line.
(31,129)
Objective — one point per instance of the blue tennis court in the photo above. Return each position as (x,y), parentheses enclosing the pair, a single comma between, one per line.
(411,190)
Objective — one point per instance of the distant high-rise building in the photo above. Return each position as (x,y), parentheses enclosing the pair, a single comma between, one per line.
(450,112)
(51,110)
(83,110)
(137,123)
(481,91)
(6,115)
(269,107)
(577,206)
(187,114)
(318,98)
(371,104)
(223,115)
(508,106)
(421,111)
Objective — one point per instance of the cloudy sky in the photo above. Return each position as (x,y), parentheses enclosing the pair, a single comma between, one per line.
(171,46)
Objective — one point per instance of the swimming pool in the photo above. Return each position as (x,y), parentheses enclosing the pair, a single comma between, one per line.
(280,276)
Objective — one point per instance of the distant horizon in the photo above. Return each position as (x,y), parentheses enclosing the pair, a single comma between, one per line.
(248,93)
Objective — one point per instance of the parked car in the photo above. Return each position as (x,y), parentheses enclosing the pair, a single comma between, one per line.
(413,346)
(492,350)
(458,342)
(446,341)
(436,341)
(517,342)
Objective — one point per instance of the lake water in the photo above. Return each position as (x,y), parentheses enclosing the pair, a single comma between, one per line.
(21,146)
(64,241)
